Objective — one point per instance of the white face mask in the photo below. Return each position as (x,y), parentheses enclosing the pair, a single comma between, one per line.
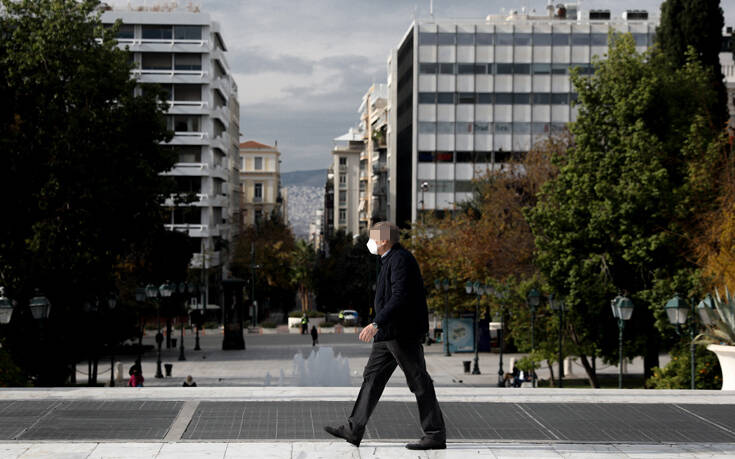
(372,246)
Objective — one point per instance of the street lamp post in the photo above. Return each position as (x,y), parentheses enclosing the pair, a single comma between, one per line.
(140,296)
(152,293)
(475,287)
(622,309)
(558,306)
(444,285)
(7,306)
(677,311)
(534,298)
(424,189)
(197,321)
(182,291)
(111,303)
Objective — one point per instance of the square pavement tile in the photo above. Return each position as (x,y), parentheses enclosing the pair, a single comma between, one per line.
(13,450)
(324,450)
(129,450)
(59,451)
(261,450)
(524,450)
(192,451)
(655,451)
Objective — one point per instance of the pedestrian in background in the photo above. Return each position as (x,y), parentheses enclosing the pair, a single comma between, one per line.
(189,382)
(314,336)
(401,322)
(136,377)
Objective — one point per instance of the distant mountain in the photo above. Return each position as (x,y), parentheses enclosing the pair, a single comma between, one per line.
(302,204)
(315,178)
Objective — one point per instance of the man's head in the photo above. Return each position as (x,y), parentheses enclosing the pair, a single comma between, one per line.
(385,235)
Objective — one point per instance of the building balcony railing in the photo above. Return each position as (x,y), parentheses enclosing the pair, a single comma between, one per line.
(729,72)
(257,200)
(169,72)
(193,229)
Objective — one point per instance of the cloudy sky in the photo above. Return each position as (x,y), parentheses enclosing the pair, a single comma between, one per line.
(302,67)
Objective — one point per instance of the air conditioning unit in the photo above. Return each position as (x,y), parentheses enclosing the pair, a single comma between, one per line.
(600,15)
(635,15)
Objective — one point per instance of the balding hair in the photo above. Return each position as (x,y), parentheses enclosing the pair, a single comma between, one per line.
(388,232)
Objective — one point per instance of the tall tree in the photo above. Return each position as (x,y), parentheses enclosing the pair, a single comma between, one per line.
(699,24)
(619,215)
(81,156)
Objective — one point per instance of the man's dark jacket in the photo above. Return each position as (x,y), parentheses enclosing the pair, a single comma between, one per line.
(400,301)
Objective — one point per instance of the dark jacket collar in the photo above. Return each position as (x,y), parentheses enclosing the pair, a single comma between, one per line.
(396,247)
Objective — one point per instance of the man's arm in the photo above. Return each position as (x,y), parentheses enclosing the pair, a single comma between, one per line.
(399,290)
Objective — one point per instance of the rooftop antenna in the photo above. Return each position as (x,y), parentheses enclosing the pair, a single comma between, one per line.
(431,8)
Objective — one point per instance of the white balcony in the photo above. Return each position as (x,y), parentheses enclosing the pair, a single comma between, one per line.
(219,172)
(188,170)
(180,107)
(729,72)
(169,76)
(189,138)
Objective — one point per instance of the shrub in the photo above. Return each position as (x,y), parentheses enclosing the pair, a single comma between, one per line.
(268,324)
(10,374)
(676,375)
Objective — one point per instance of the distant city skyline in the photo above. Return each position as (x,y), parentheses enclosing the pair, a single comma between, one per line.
(302,67)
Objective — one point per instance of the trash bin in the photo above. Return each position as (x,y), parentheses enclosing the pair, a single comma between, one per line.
(170,366)
(173,342)
(466,364)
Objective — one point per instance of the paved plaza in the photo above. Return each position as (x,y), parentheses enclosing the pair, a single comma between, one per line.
(243,407)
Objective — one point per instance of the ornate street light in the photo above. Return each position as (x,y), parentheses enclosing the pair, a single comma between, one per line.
(622,309)
(471,287)
(40,306)
(182,290)
(7,306)
(677,311)
(558,306)
(534,299)
(706,311)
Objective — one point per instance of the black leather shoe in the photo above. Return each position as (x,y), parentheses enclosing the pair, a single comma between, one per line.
(427,443)
(343,432)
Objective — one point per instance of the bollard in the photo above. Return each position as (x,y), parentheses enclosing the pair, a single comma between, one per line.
(169,367)
(119,374)
(466,364)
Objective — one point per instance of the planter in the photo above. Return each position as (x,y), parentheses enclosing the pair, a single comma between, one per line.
(330,330)
(726,356)
(297,321)
(267,331)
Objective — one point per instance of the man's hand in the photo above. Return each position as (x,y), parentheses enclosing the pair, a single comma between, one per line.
(368,333)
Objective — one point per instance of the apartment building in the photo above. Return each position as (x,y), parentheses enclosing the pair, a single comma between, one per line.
(182,51)
(260,178)
(346,181)
(373,202)
(468,95)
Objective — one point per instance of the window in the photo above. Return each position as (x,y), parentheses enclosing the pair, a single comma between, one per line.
(482,126)
(427,38)
(427,97)
(521,128)
(504,69)
(342,160)
(186,184)
(466,98)
(481,69)
(343,216)
(560,98)
(426,156)
(521,98)
(445,97)
(188,32)
(542,39)
(560,69)
(187,215)
(189,61)
(483,156)
(156,61)
(599,39)
(505,39)
(464,186)
(466,39)
(184,123)
(447,69)
(580,39)
(429,68)
(258,163)
(503,128)
(219,127)
(427,127)
(125,32)
(484,39)
(445,127)
(445,38)
(166,89)
(464,156)
(258,216)
(342,180)
(503,98)
(541,69)
(641,39)
(343,199)
(484,98)
(560,39)
(258,192)
(502,156)
(465,69)
(522,69)
(542,98)
(156,32)
(189,153)
(522,39)
(464,127)
(444,186)
(540,128)
(444,156)
(187,92)
(219,100)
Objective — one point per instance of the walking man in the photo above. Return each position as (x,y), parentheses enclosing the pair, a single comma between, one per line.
(401,321)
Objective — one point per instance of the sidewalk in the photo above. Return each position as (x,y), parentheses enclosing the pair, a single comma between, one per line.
(287,422)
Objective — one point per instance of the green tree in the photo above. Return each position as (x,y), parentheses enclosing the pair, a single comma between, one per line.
(619,214)
(697,24)
(81,160)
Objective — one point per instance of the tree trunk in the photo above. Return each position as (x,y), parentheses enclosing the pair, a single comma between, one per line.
(168,333)
(650,359)
(551,373)
(590,370)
